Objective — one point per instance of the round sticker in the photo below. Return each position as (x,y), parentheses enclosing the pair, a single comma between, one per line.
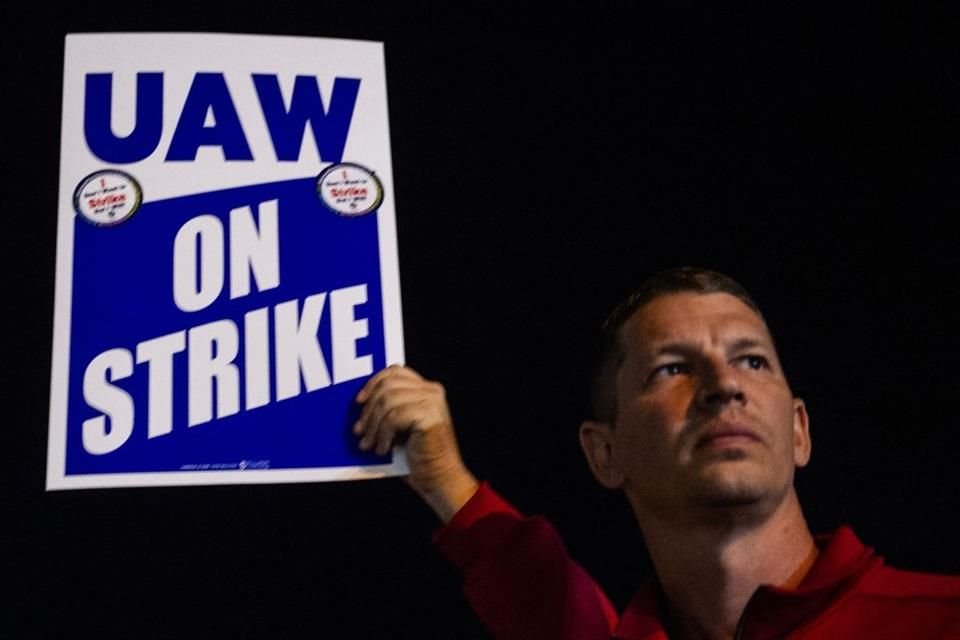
(107,198)
(349,189)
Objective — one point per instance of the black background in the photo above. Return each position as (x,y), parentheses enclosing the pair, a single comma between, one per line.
(544,163)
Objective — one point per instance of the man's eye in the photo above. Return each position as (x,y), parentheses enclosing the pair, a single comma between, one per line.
(670,369)
(755,362)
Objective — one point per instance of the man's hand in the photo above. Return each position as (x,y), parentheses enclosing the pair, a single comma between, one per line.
(398,404)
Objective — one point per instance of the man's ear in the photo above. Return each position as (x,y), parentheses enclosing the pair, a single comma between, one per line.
(801,434)
(597,442)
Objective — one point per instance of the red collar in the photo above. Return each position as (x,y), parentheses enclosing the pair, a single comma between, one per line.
(843,563)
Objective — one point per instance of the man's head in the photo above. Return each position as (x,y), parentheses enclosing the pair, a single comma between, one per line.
(692,409)
(610,356)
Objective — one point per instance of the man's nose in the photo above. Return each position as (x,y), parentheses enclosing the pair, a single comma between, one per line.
(719,386)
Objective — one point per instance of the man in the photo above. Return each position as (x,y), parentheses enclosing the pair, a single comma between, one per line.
(695,422)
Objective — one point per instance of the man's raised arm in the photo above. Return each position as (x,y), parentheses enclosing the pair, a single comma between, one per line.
(518,576)
(399,404)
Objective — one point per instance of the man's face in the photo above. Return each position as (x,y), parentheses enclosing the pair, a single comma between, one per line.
(705,417)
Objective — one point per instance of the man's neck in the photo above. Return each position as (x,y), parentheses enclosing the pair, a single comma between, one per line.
(709,572)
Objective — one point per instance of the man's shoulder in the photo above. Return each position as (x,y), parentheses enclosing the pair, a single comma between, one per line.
(894,583)
(844,558)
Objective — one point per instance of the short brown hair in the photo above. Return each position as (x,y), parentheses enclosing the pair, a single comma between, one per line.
(610,352)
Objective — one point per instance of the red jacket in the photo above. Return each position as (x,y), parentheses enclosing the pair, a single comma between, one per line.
(523,584)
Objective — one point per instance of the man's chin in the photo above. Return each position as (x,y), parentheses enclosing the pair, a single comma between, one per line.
(728,499)
(728,488)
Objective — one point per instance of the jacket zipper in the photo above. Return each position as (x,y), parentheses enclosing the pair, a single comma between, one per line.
(742,622)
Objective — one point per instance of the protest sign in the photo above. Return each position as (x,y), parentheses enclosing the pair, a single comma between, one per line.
(227,273)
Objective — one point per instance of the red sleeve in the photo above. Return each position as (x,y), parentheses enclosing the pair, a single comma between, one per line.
(518,576)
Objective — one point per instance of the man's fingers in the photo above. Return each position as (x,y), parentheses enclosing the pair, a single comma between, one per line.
(382,428)
(385,395)
(372,393)
(397,400)
(392,373)
(399,411)
(389,427)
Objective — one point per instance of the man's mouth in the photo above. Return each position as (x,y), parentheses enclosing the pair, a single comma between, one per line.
(727,435)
